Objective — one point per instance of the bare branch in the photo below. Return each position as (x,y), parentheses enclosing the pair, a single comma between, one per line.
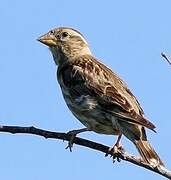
(166,58)
(83,142)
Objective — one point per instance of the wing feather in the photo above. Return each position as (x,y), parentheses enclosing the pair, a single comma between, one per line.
(88,76)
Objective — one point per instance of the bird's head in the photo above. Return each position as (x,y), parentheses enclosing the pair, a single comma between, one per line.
(65,44)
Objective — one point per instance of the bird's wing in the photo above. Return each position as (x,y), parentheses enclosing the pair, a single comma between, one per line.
(88,76)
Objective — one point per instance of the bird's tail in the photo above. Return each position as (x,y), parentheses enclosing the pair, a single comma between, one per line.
(147,153)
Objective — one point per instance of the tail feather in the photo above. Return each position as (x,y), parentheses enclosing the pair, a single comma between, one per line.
(147,153)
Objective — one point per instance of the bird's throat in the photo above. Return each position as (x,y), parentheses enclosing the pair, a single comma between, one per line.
(60,57)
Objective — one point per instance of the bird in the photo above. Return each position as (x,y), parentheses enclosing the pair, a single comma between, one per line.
(96,95)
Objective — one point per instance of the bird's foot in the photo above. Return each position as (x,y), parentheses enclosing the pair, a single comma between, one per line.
(115,152)
(72,134)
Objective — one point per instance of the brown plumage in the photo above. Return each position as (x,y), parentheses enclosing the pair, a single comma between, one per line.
(96,95)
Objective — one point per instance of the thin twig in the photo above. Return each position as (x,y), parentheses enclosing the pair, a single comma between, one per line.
(83,142)
(166,58)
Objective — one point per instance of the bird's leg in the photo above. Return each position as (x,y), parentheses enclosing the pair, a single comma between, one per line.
(116,149)
(73,134)
(118,144)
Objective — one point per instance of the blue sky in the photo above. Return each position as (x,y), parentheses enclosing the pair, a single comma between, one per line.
(128,36)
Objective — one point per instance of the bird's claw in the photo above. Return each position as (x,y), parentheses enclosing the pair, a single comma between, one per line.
(70,146)
(71,141)
(115,152)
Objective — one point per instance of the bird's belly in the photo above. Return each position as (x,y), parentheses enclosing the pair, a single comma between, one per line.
(98,124)
(89,113)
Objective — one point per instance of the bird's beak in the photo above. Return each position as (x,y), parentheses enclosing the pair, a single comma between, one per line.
(48,40)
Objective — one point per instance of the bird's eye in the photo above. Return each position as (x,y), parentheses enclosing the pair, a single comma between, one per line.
(51,32)
(65,34)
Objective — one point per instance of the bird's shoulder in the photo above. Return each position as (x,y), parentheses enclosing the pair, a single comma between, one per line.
(88,70)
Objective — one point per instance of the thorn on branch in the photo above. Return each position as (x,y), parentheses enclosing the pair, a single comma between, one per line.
(166,58)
